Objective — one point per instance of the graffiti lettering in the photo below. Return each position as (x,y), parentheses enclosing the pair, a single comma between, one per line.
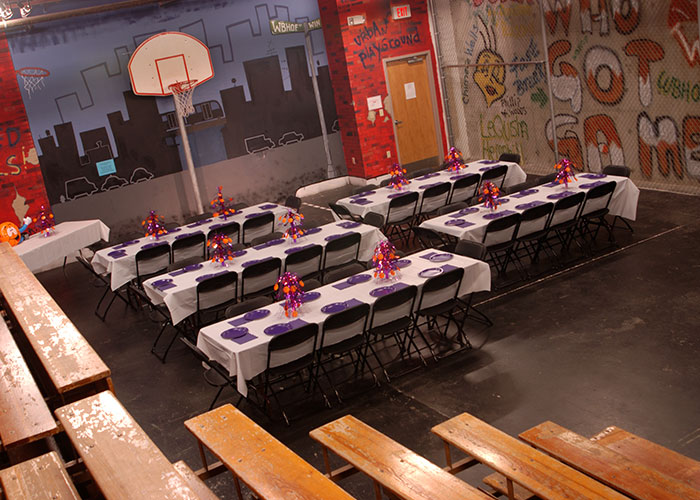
(566,85)
(469,51)
(539,97)
(647,51)
(684,15)
(569,145)
(502,136)
(553,10)
(691,141)
(677,89)
(367,33)
(13,135)
(588,18)
(604,76)
(376,49)
(660,136)
(580,46)
(600,134)
(626,15)
(510,106)
(510,20)
(13,168)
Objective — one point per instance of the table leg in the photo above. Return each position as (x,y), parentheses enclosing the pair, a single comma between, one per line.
(238,487)
(377,490)
(327,462)
(201,454)
(511,492)
(448,456)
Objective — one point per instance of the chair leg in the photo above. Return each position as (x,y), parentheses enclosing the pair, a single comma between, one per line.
(420,332)
(99,303)
(211,406)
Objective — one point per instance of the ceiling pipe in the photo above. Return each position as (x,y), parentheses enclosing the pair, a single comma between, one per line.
(97,9)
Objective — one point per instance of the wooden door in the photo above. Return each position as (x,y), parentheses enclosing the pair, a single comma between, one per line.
(412,98)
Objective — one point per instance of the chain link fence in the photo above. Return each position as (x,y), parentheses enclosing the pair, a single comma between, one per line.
(623,86)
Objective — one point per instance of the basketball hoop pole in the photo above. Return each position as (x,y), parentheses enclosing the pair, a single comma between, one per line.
(188,158)
(310,57)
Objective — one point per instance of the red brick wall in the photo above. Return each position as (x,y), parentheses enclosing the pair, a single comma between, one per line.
(357,72)
(20,175)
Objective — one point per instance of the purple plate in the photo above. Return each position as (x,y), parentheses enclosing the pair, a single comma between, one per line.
(200,222)
(525,206)
(334,307)
(592,184)
(126,244)
(193,267)
(488,162)
(498,215)
(162,282)
(486,169)
(358,278)
(562,194)
(403,263)
(116,254)
(464,211)
(296,249)
(250,263)
(336,236)
(240,253)
(234,333)
(428,176)
(440,257)
(431,272)
(360,201)
(257,214)
(503,200)
(272,243)
(348,224)
(278,328)
(594,176)
(396,195)
(313,230)
(310,296)
(187,235)
(426,186)
(454,222)
(154,244)
(461,176)
(257,314)
(524,193)
(177,229)
(203,277)
(382,290)
(267,206)
(360,195)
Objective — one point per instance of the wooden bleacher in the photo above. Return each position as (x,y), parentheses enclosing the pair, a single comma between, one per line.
(25,419)
(71,365)
(118,454)
(518,462)
(43,477)
(391,466)
(266,466)
(596,460)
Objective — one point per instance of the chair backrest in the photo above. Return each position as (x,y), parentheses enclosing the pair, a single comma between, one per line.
(598,198)
(452,207)
(265,238)
(341,212)
(232,229)
(174,266)
(402,207)
(566,209)
(203,358)
(394,306)
(343,272)
(441,288)
(535,219)
(260,277)
(374,219)
(501,230)
(190,246)
(342,250)
(258,226)
(465,188)
(428,238)
(344,325)
(152,260)
(247,306)
(619,170)
(435,197)
(293,202)
(305,262)
(515,188)
(197,217)
(311,284)
(497,175)
(419,173)
(292,345)
(511,157)
(472,249)
(217,290)
(385,182)
(546,179)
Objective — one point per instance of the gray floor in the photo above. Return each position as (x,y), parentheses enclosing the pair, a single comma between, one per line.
(610,341)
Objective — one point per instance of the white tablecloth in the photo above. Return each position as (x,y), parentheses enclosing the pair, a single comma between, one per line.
(181,299)
(379,201)
(623,203)
(247,360)
(41,253)
(123,268)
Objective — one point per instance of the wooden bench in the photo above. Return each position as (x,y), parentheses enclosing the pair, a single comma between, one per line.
(598,461)
(197,485)
(42,477)
(25,419)
(266,466)
(72,366)
(391,466)
(519,463)
(120,457)
(652,455)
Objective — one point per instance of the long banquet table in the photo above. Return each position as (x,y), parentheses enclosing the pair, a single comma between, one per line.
(120,260)
(178,289)
(470,223)
(378,200)
(246,356)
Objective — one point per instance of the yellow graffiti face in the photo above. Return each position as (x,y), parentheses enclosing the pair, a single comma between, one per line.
(490,79)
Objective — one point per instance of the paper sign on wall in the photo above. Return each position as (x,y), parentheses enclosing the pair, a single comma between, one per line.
(410,89)
(374,102)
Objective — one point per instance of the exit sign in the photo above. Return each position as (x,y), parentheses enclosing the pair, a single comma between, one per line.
(401,11)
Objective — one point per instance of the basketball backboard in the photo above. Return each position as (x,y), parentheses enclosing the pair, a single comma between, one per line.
(168,58)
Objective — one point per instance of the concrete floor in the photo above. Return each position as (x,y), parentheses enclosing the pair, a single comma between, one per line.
(610,341)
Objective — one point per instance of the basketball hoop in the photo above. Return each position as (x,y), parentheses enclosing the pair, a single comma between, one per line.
(33,79)
(182,95)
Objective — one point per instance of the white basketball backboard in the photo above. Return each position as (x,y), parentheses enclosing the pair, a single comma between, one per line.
(168,58)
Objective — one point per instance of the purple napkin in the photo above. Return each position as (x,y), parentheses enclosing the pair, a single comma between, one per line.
(186,269)
(386,290)
(204,277)
(267,206)
(117,254)
(200,222)
(337,307)
(257,214)
(396,195)
(313,230)
(270,243)
(594,176)
(553,184)
(459,223)
(352,280)
(251,262)
(524,193)
(238,335)
(426,186)
(428,176)
(165,286)
(461,176)
(488,162)
(361,201)
(295,249)
(592,184)
(525,206)
(562,194)
(336,236)
(498,215)
(464,211)
(175,230)
(348,224)
(250,316)
(154,244)
(126,244)
(240,253)
(180,236)
(285,327)
(485,169)
(361,195)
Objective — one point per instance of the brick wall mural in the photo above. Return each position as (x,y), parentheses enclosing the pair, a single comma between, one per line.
(355,57)
(625,83)
(260,98)
(21,188)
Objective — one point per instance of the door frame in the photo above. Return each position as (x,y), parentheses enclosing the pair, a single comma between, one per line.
(433,99)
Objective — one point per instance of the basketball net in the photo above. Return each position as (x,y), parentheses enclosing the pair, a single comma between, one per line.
(33,79)
(182,95)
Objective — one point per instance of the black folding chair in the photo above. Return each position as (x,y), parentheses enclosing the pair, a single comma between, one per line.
(401,215)
(474,250)
(465,189)
(306,262)
(343,213)
(427,238)
(193,245)
(151,262)
(438,300)
(215,374)
(103,281)
(260,278)
(258,226)
(247,306)
(620,171)
(293,202)
(511,157)
(562,225)
(265,238)
(342,272)
(546,179)
(499,239)
(452,207)
(374,219)
(198,217)
(231,229)
(214,295)
(434,198)
(532,232)
(341,251)
(593,213)
(496,175)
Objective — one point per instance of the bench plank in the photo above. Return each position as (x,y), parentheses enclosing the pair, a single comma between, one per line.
(652,455)
(24,416)
(270,469)
(398,469)
(613,469)
(120,457)
(42,477)
(533,470)
(66,356)
(499,483)
(195,482)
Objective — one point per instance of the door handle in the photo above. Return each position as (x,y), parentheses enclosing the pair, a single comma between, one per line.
(397,122)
